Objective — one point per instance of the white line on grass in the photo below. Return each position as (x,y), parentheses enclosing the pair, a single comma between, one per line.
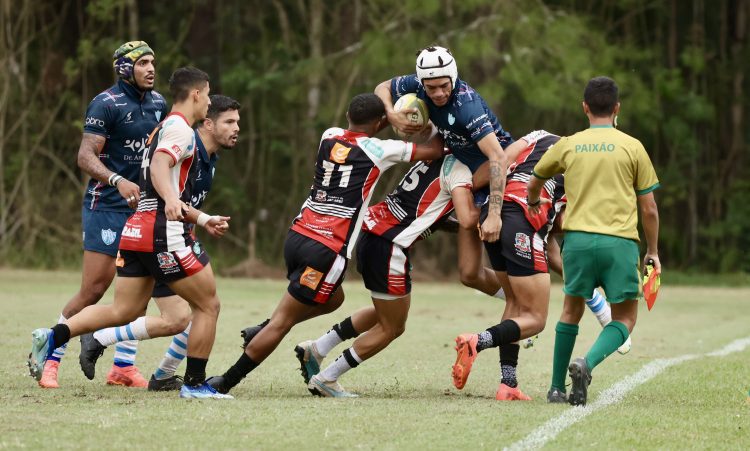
(614,394)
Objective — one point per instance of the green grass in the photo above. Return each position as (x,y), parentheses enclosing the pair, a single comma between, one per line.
(408,401)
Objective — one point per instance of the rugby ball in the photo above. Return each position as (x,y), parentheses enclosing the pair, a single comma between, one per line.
(420,117)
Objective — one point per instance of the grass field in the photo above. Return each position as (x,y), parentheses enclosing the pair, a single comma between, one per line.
(408,401)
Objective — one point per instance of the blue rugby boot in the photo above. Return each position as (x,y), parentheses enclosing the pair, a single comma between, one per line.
(328,389)
(202,391)
(309,359)
(42,345)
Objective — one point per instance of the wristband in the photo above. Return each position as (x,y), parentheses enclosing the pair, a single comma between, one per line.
(533,204)
(203,218)
(114,179)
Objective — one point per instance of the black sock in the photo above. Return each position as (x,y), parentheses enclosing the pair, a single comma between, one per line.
(505,332)
(62,334)
(239,370)
(345,329)
(195,373)
(508,364)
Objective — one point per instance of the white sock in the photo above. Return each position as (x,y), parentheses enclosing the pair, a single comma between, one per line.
(133,331)
(343,363)
(174,355)
(600,307)
(327,342)
(500,294)
(59,353)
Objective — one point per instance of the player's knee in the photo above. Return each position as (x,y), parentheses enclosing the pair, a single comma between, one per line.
(469,277)
(393,331)
(177,323)
(91,294)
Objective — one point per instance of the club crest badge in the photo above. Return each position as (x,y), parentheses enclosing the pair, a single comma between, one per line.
(108,236)
(523,244)
(166,260)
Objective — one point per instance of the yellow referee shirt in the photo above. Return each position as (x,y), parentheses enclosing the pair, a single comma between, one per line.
(604,171)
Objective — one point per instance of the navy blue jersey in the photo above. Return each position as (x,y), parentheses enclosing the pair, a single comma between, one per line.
(125,120)
(204,167)
(463,121)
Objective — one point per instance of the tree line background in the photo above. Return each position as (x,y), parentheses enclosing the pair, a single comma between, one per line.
(295,64)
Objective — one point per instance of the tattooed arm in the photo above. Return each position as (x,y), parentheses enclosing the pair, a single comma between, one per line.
(490,146)
(89,162)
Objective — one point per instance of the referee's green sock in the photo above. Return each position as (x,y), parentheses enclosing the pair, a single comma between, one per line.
(611,337)
(565,341)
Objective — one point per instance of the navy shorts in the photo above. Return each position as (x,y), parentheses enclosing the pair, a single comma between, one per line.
(101,230)
(384,266)
(314,271)
(520,251)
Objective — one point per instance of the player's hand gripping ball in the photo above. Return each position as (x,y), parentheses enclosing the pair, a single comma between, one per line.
(420,117)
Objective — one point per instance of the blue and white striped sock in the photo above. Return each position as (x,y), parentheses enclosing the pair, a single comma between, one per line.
(58,353)
(174,355)
(125,353)
(133,331)
(600,307)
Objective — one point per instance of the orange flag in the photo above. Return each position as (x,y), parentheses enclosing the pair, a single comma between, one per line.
(651,283)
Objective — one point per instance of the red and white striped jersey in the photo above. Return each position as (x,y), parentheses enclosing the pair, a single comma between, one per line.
(348,167)
(520,171)
(148,230)
(421,199)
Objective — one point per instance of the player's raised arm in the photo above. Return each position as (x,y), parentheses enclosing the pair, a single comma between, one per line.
(398,119)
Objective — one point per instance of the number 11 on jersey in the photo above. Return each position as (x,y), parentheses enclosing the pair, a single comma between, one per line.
(344,169)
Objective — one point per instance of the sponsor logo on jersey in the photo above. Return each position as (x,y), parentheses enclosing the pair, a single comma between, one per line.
(197,248)
(450,160)
(136,145)
(523,243)
(310,278)
(451,119)
(94,121)
(176,149)
(370,146)
(132,231)
(129,117)
(166,260)
(108,236)
(339,153)
(320,196)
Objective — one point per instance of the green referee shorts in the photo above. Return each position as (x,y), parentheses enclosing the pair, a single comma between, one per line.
(593,260)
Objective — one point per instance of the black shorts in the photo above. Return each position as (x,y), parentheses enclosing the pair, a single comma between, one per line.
(164,267)
(314,271)
(162,290)
(521,250)
(384,266)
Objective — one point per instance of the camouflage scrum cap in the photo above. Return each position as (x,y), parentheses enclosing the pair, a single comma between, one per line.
(125,57)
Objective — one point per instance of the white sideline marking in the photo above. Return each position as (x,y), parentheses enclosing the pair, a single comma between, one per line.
(614,394)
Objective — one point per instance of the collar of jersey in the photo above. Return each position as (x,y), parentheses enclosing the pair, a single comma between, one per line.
(130,90)
(601,126)
(177,113)
(202,152)
(353,135)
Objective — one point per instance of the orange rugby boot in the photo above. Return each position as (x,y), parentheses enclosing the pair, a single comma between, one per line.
(128,376)
(506,393)
(49,375)
(466,353)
